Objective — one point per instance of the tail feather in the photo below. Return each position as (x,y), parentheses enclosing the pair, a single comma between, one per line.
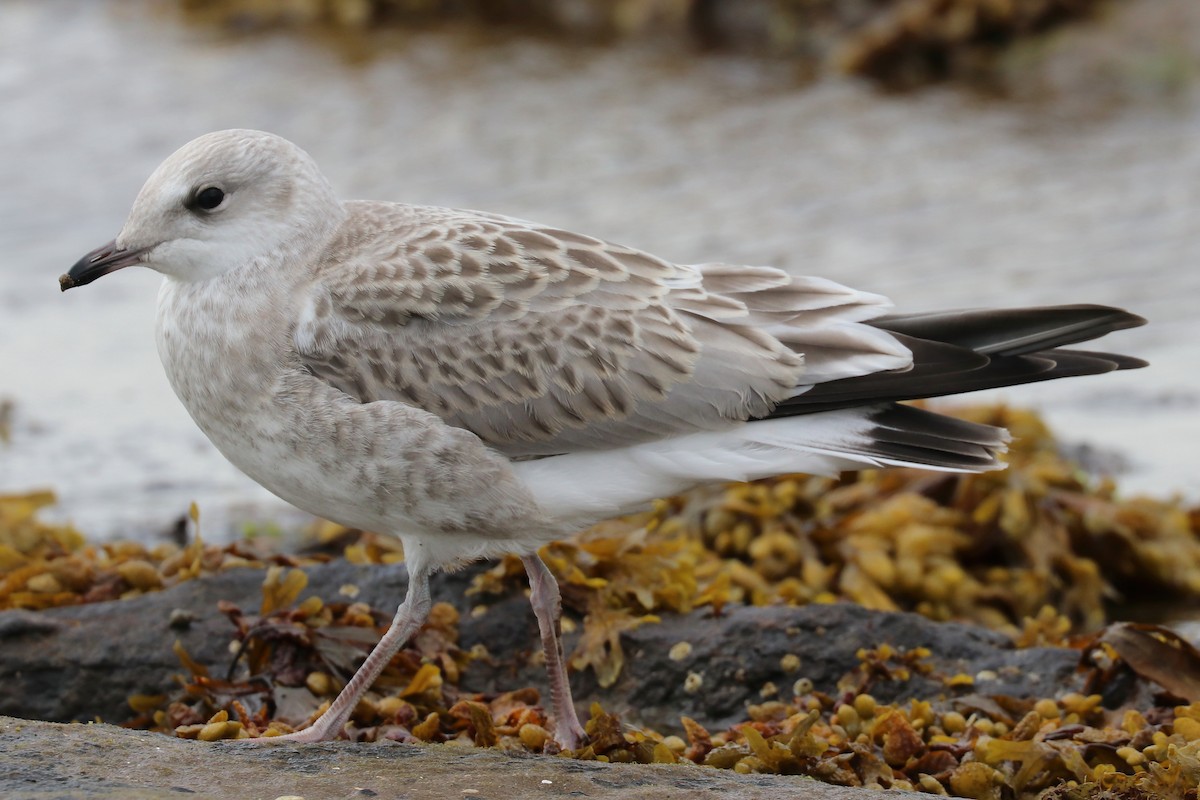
(923,438)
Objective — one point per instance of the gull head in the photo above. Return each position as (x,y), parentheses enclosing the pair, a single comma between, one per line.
(222,202)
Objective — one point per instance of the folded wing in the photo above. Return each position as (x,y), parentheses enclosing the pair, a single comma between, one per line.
(542,341)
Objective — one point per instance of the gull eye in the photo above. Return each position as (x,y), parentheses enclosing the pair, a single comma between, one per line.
(209,198)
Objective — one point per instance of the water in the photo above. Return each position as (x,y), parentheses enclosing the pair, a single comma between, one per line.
(937,200)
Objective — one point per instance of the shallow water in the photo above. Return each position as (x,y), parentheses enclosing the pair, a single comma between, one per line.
(938,200)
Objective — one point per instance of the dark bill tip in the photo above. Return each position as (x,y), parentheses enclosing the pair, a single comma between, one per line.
(98,263)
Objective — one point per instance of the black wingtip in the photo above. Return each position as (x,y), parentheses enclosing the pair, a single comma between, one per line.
(967,351)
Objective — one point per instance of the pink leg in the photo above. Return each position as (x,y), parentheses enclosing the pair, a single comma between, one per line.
(547,607)
(410,616)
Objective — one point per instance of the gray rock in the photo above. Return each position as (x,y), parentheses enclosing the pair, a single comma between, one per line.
(83,662)
(95,762)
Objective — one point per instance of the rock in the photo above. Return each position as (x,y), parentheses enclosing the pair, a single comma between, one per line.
(83,662)
(743,651)
(92,762)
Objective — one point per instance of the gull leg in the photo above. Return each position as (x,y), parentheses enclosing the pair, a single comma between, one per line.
(547,607)
(410,616)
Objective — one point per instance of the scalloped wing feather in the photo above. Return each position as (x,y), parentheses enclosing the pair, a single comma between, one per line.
(542,341)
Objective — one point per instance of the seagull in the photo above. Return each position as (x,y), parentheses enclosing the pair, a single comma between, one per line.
(480,385)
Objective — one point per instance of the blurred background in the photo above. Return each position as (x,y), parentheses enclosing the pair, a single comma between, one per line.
(943,152)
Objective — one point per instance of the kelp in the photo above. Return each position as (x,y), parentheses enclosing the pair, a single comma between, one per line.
(975,746)
(43,564)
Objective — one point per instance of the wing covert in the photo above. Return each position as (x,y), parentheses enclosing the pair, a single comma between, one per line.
(542,341)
